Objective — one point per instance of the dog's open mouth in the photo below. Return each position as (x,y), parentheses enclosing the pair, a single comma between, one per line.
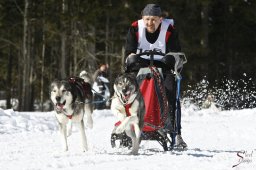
(126,96)
(60,105)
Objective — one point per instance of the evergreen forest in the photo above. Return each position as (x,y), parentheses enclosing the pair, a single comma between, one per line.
(41,40)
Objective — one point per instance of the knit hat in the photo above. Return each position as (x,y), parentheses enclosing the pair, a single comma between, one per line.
(151,10)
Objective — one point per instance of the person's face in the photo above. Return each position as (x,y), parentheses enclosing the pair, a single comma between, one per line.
(103,68)
(152,22)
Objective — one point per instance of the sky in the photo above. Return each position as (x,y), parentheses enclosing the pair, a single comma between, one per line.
(217,140)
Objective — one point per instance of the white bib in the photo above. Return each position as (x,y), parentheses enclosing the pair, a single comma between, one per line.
(159,44)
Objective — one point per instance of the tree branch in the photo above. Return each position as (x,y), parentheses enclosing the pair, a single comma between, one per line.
(9,42)
(19,9)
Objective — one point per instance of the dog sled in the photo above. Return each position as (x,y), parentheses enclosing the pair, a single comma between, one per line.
(158,125)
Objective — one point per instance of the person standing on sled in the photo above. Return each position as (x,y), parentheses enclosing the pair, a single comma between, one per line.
(150,33)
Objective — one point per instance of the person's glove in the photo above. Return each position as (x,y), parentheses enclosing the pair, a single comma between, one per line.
(130,59)
(132,62)
(169,61)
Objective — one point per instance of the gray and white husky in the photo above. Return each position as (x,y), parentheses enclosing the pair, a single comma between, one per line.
(128,106)
(72,104)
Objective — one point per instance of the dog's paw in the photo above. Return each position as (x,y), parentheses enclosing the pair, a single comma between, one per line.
(84,149)
(134,152)
(120,129)
(65,148)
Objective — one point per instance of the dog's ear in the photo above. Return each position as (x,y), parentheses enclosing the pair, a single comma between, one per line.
(54,83)
(117,78)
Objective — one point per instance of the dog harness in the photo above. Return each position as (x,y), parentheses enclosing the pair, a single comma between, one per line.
(81,89)
(126,103)
(70,116)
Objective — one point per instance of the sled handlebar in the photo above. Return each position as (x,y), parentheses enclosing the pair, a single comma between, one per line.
(151,53)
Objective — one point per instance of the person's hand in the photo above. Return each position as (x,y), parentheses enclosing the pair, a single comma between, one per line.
(131,54)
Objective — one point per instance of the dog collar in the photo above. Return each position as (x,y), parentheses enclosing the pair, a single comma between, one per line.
(69,116)
(64,112)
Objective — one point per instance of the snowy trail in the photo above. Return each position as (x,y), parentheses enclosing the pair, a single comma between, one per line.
(30,141)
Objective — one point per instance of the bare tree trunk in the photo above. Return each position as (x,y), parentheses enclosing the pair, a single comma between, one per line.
(204,34)
(9,79)
(75,47)
(63,44)
(26,100)
(122,58)
(107,32)
(205,29)
(25,63)
(42,68)
(63,56)
(91,50)
(107,38)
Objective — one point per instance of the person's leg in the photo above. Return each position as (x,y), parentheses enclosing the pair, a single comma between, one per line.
(179,140)
(170,88)
(178,117)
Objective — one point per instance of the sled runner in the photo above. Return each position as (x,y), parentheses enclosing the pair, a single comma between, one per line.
(158,124)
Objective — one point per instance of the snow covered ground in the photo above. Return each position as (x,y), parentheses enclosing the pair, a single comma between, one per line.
(216,140)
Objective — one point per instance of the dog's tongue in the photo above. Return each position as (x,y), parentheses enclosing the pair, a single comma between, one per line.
(60,106)
(125,97)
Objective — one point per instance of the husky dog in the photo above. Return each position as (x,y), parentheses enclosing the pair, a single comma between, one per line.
(128,106)
(72,104)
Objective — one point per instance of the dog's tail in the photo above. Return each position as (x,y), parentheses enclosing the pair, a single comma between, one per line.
(86,76)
